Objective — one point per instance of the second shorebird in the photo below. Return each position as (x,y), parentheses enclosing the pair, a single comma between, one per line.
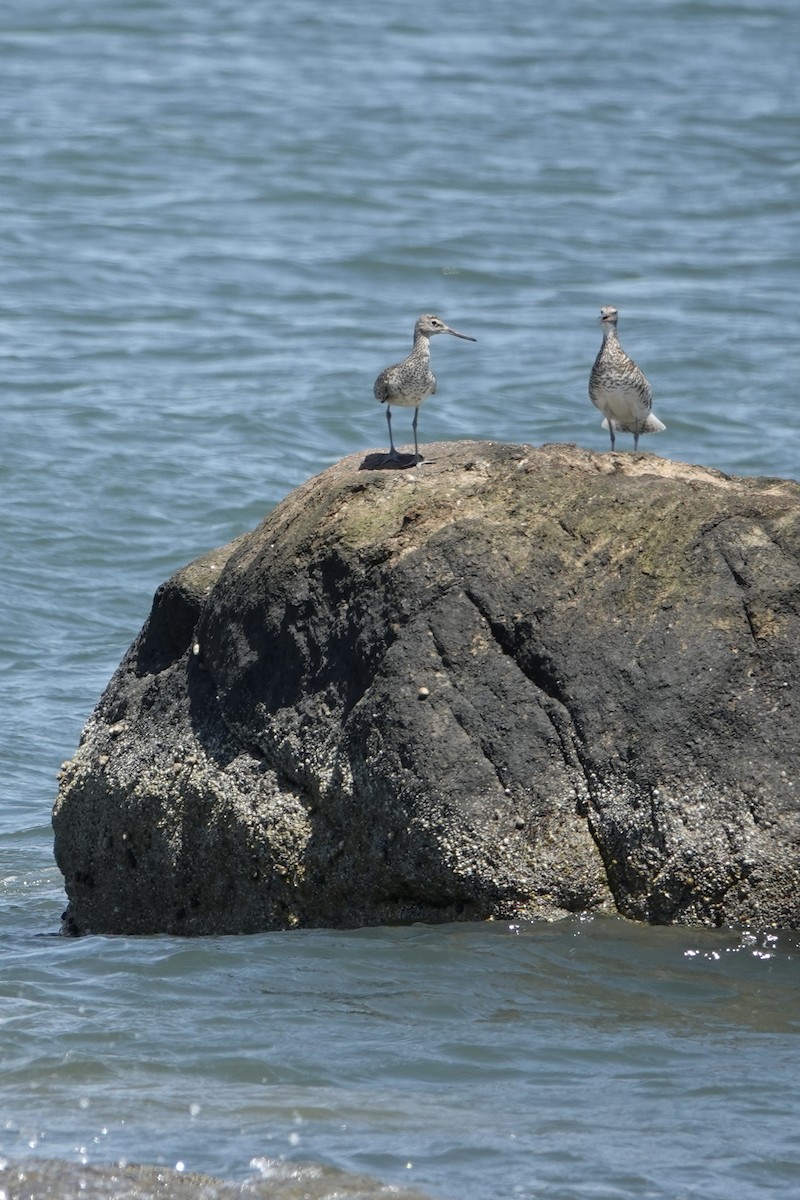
(619,388)
(407,383)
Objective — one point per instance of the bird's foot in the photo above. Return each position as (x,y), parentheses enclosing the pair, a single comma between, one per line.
(400,461)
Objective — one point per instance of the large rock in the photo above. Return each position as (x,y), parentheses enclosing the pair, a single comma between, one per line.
(508,683)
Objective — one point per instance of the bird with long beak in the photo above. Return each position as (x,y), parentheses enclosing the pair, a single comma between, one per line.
(409,382)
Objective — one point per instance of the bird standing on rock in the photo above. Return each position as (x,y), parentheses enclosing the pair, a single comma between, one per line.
(407,383)
(619,388)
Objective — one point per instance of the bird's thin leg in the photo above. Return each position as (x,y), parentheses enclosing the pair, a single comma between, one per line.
(611,431)
(636,436)
(392,452)
(414,427)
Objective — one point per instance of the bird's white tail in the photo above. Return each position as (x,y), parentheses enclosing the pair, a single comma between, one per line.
(651,425)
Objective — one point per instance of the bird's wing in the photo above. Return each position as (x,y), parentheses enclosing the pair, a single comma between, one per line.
(385,385)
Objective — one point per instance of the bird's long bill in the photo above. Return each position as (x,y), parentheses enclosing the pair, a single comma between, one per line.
(465,336)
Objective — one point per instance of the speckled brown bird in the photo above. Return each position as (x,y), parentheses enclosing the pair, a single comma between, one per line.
(407,383)
(619,388)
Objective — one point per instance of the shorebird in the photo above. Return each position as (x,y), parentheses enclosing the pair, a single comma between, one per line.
(407,383)
(619,388)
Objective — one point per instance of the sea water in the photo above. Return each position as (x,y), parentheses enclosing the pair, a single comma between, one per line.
(220,221)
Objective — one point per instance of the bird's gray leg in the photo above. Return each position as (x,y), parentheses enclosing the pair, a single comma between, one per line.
(611,431)
(414,427)
(392,452)
(636,435)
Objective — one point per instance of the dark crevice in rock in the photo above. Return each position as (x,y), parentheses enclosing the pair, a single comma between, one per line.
(539,669)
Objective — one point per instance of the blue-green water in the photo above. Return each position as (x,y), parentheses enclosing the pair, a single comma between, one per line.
(219,222)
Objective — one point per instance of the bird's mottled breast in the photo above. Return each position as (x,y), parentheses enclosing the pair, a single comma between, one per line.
(405,384)
(614,371)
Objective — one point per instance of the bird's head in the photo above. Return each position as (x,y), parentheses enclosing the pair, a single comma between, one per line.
(428,324)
